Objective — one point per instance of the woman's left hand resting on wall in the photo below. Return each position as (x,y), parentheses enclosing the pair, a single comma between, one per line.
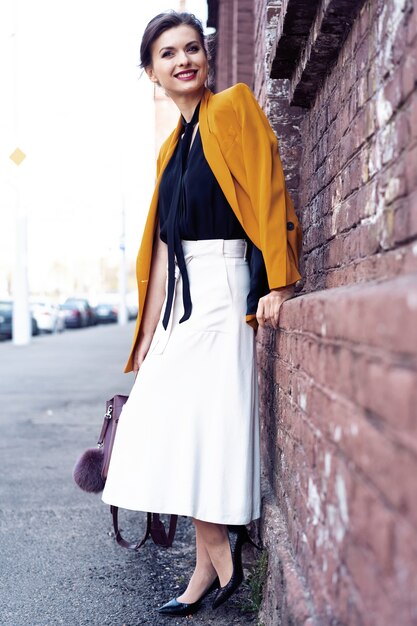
(154,301)
(269,306)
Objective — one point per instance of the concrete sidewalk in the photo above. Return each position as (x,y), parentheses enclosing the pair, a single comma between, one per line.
(59,561)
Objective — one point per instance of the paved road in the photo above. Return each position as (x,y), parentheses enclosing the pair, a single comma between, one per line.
(59,563)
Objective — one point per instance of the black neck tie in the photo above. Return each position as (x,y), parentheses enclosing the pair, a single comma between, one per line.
(173,234)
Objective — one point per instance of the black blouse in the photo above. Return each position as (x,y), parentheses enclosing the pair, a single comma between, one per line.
(205,213)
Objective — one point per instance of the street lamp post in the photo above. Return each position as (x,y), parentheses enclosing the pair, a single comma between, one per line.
(22,330)
(122,309)
(21,327)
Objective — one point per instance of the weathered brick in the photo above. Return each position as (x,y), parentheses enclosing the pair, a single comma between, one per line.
(406,572)
(369,240)
(338,382)
(395,401)
(372,586)
(411,29)
(373,525)
(411,169)
(408,70)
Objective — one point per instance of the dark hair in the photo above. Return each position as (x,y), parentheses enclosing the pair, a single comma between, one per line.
(162,22)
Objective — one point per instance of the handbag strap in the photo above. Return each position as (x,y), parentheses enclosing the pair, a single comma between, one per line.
(154,527)
(133,545)
(106,422)
(158,532)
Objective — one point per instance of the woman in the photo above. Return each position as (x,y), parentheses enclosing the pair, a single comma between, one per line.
(219,255)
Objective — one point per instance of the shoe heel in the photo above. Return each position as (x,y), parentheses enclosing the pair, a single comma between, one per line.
(255,545)
(240,536)
(248,539)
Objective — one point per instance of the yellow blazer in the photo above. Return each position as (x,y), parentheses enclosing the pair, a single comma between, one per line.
(242,151)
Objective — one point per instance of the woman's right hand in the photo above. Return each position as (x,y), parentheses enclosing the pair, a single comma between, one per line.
(154,301)
(141,350)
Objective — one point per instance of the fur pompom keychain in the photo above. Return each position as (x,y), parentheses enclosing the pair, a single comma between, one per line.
(87,472)
(90,471)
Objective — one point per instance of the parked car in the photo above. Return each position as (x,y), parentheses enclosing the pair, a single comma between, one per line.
(132,305)
(107,306)
(35,328)
(6,320)
(132,311)
(86,308)
(74,315)
(6,316)
(106,313)
(48,317)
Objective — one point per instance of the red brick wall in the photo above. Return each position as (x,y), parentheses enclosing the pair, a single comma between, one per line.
(359,161)
(339,395)
(235,48)
(338,381)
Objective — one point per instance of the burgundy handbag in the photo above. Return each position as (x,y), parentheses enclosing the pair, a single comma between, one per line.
(90,473)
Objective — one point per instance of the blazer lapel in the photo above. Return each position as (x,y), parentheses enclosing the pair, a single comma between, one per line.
(214,155)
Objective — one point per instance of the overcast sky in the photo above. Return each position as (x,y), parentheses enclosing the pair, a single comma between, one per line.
(83,115)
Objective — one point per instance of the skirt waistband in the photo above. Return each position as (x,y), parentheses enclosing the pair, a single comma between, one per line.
(236,248)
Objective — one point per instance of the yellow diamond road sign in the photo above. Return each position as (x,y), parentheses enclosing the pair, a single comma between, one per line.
(18,156)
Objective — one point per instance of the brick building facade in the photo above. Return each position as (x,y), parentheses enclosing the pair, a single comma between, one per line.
(338,80)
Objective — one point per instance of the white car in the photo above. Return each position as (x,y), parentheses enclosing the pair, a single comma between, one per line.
(48,317)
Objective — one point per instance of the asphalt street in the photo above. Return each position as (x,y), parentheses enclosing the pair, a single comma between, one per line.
(59,562)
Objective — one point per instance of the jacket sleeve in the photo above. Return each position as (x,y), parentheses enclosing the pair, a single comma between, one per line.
(279,229)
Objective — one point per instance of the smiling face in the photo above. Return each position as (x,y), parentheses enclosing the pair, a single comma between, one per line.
(179,62)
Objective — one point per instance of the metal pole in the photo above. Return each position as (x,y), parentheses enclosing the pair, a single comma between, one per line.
(122,310)
(22,328)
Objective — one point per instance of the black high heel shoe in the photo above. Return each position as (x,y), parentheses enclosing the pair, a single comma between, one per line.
(238,536)
(182,609)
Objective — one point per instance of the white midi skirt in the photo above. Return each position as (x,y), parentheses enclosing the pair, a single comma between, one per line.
(188,436)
